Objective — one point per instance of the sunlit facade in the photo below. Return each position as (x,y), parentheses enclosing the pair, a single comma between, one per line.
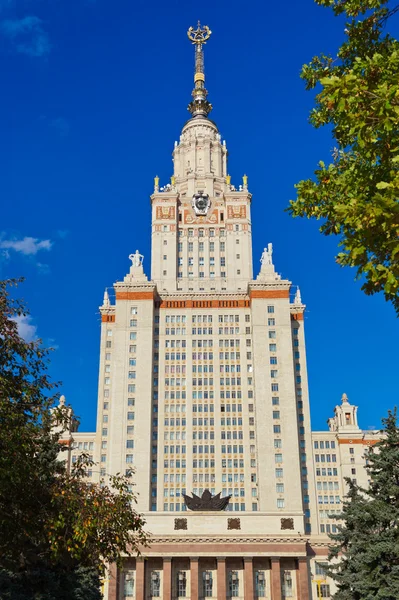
(203,386)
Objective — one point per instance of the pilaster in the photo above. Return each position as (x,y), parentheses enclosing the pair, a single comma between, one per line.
(302,579)
(221,578)
(248,578)
(194,578)
(167,578)
(276,578)
(140,579)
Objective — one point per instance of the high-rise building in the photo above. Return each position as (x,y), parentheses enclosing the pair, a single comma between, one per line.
(203,390)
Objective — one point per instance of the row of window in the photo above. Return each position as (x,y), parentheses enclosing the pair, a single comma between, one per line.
(328,499)
(329,472)
(325,458)
(172,478)
(327,485)
(324,445)
(177,435)
(83,445)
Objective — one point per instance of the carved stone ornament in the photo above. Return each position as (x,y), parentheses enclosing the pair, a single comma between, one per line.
(287,523)
(200,203)
(181,524)
(233,524)
(206,502)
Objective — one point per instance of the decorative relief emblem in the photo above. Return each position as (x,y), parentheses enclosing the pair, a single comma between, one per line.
(201,203)
(233,524)
(206,502)
(181,524)
(190,219)
(165,212)
(237,212)
(287,523)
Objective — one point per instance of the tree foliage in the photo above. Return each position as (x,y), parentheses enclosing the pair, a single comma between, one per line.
(366,546)
(57,530)
(356,195)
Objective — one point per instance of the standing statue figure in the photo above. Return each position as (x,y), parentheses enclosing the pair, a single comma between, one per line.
(137,259)
(266,258)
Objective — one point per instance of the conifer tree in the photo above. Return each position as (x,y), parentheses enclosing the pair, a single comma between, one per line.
(365,550)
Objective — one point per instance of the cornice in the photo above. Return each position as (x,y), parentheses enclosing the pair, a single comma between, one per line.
(166,539)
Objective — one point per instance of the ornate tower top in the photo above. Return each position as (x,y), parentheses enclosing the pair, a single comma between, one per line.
(199,106)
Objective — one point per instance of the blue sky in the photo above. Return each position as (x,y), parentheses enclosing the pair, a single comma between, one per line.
(94,93)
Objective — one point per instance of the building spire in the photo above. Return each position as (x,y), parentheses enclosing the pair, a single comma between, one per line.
(199,106)
(106,301)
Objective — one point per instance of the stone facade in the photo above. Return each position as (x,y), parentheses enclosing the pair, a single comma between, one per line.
(203,385)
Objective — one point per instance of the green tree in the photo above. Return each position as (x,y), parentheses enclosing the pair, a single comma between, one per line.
(365,551)
(356,195)
(57,530)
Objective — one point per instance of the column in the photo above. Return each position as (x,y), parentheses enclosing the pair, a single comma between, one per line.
(167,578)
(194,578)
(221,578)
(113,587)
(302,579)
(140,578)
(248,579)
(276,578)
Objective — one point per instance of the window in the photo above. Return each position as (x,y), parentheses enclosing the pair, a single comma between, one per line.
(155,584)
(270,309)
(280,488)
(325,590)
(321,569)
(181,584)
(233,584)
(260,584)
(207,584)
(287,587)
(128,585)
(278,458)
(280,503)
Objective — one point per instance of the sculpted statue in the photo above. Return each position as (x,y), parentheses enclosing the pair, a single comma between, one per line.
(266,258)
(137,259)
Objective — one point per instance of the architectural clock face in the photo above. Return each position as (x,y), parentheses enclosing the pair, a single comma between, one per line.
(201,203)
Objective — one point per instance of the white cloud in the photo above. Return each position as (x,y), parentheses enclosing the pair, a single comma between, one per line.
(27,35)
(26,329)
(26,245)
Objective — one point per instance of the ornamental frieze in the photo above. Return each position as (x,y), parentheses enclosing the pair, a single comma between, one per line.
(237,212)
(166,213)
(191,219)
